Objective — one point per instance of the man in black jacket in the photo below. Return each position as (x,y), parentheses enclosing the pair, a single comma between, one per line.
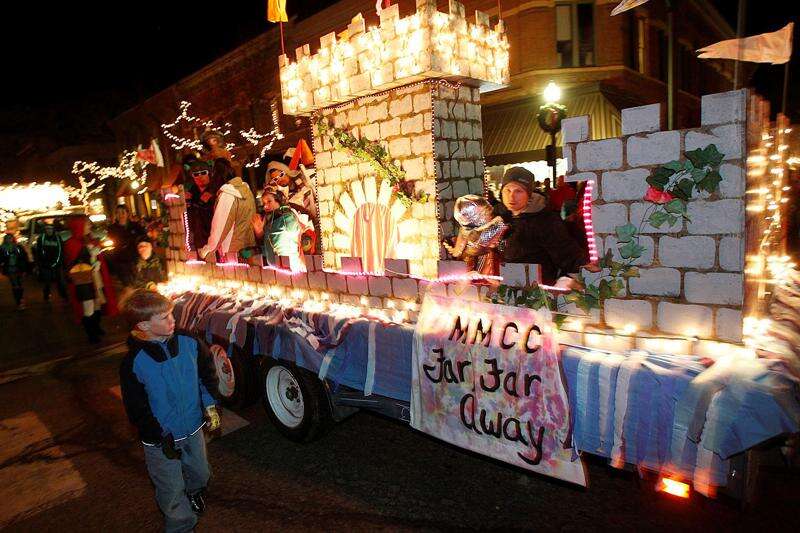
(125,233)
(537,235)
(48,252)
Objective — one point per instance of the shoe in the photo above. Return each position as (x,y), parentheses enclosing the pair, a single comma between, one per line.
(96,322)
(89,328)
(21,306)
(197,502)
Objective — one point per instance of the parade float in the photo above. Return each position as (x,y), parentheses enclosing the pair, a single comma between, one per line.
(675,357)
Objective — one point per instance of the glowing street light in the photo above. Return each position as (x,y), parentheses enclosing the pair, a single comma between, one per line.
(552,93)
(549,117)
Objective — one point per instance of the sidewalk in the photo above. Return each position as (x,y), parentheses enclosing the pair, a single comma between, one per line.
(45,331)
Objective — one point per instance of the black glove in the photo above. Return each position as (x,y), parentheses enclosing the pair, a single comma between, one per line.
(169,449)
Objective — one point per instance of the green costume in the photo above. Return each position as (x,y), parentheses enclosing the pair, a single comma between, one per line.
(282,237)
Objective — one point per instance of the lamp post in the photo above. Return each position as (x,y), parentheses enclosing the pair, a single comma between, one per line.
(549,117)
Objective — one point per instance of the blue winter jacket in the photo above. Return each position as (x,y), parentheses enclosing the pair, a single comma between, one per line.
(166,386)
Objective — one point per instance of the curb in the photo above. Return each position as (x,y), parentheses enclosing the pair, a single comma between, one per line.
(23,372)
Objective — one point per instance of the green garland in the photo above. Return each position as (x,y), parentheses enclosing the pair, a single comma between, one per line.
(376,155)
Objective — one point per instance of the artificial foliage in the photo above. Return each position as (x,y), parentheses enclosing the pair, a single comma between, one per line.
(671,187)
(533,297)
(550,116)
(377,156)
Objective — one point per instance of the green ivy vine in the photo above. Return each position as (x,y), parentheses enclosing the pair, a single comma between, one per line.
(376,155)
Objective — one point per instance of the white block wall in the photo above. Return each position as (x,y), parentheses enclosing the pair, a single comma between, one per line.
(691,274)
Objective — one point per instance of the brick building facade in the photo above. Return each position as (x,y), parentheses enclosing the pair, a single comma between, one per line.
(602,63)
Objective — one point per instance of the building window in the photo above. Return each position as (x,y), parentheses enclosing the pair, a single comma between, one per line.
(575,34)
(663,54)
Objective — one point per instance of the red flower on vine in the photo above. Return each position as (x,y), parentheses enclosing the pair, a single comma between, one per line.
(658,197)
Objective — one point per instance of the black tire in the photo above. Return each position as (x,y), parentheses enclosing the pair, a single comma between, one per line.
(314,417)
(241,390)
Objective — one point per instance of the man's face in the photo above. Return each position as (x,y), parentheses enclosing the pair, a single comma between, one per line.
(160,324)
(515,197)
(145,250)
(269,203)
(201,178)
(122,216)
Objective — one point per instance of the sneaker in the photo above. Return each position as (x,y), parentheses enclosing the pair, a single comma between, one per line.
(197,502)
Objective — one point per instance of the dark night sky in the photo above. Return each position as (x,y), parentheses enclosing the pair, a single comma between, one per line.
(69,66)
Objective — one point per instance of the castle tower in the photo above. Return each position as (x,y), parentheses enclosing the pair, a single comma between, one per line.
(405,97)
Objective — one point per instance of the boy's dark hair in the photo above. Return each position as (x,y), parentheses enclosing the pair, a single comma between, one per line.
(142,304)
(222,171)
(278,194)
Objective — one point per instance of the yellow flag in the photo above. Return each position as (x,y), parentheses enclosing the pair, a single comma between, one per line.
(276,11)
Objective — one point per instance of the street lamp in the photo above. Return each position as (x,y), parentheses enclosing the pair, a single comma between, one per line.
(549,117)
(552,93)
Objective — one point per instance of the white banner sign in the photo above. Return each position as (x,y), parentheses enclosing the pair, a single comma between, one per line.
(486,378)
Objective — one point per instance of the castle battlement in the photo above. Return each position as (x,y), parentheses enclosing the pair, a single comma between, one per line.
(361,61)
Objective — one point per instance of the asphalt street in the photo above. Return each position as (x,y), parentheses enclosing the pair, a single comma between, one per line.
(70,461)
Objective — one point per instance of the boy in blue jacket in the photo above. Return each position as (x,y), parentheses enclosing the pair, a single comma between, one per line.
(169,387)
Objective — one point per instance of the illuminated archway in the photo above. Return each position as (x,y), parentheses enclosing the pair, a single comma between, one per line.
(368,223)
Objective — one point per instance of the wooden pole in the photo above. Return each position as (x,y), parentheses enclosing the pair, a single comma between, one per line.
(672,88)
(785,85)
(740,23)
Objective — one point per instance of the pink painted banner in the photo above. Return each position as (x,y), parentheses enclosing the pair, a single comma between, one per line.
(486,378)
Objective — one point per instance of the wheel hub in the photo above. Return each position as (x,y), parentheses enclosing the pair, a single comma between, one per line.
(285,396)
(292,393)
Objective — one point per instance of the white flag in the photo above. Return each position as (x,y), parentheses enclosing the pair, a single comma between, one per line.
(775,47)
(157,152)
(625,5)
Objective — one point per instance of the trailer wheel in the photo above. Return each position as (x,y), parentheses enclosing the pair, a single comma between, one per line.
(235,375)
(295,401)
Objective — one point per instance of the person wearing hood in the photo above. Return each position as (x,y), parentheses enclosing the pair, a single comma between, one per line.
(148,270)
(124,232)
(230,228)
(14,264)
(537,234)
(200,196)
(48,252)
(89,288)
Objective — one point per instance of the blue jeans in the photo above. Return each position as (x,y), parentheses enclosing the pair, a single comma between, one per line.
(175,478)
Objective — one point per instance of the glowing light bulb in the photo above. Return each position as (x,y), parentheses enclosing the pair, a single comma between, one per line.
(552,93)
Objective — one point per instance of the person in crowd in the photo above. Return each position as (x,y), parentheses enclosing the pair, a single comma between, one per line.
(214,146)
(90,287)
(563,193)
(124,233)
(48,254)
(148,270)
(14,265)
(200,197)
(231,229)
(546,188)
(537,235)
(280,229)
(169,390)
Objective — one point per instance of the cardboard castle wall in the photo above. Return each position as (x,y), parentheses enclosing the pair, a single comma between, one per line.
(692,279)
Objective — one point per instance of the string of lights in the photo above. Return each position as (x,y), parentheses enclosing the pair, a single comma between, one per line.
(184,119)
